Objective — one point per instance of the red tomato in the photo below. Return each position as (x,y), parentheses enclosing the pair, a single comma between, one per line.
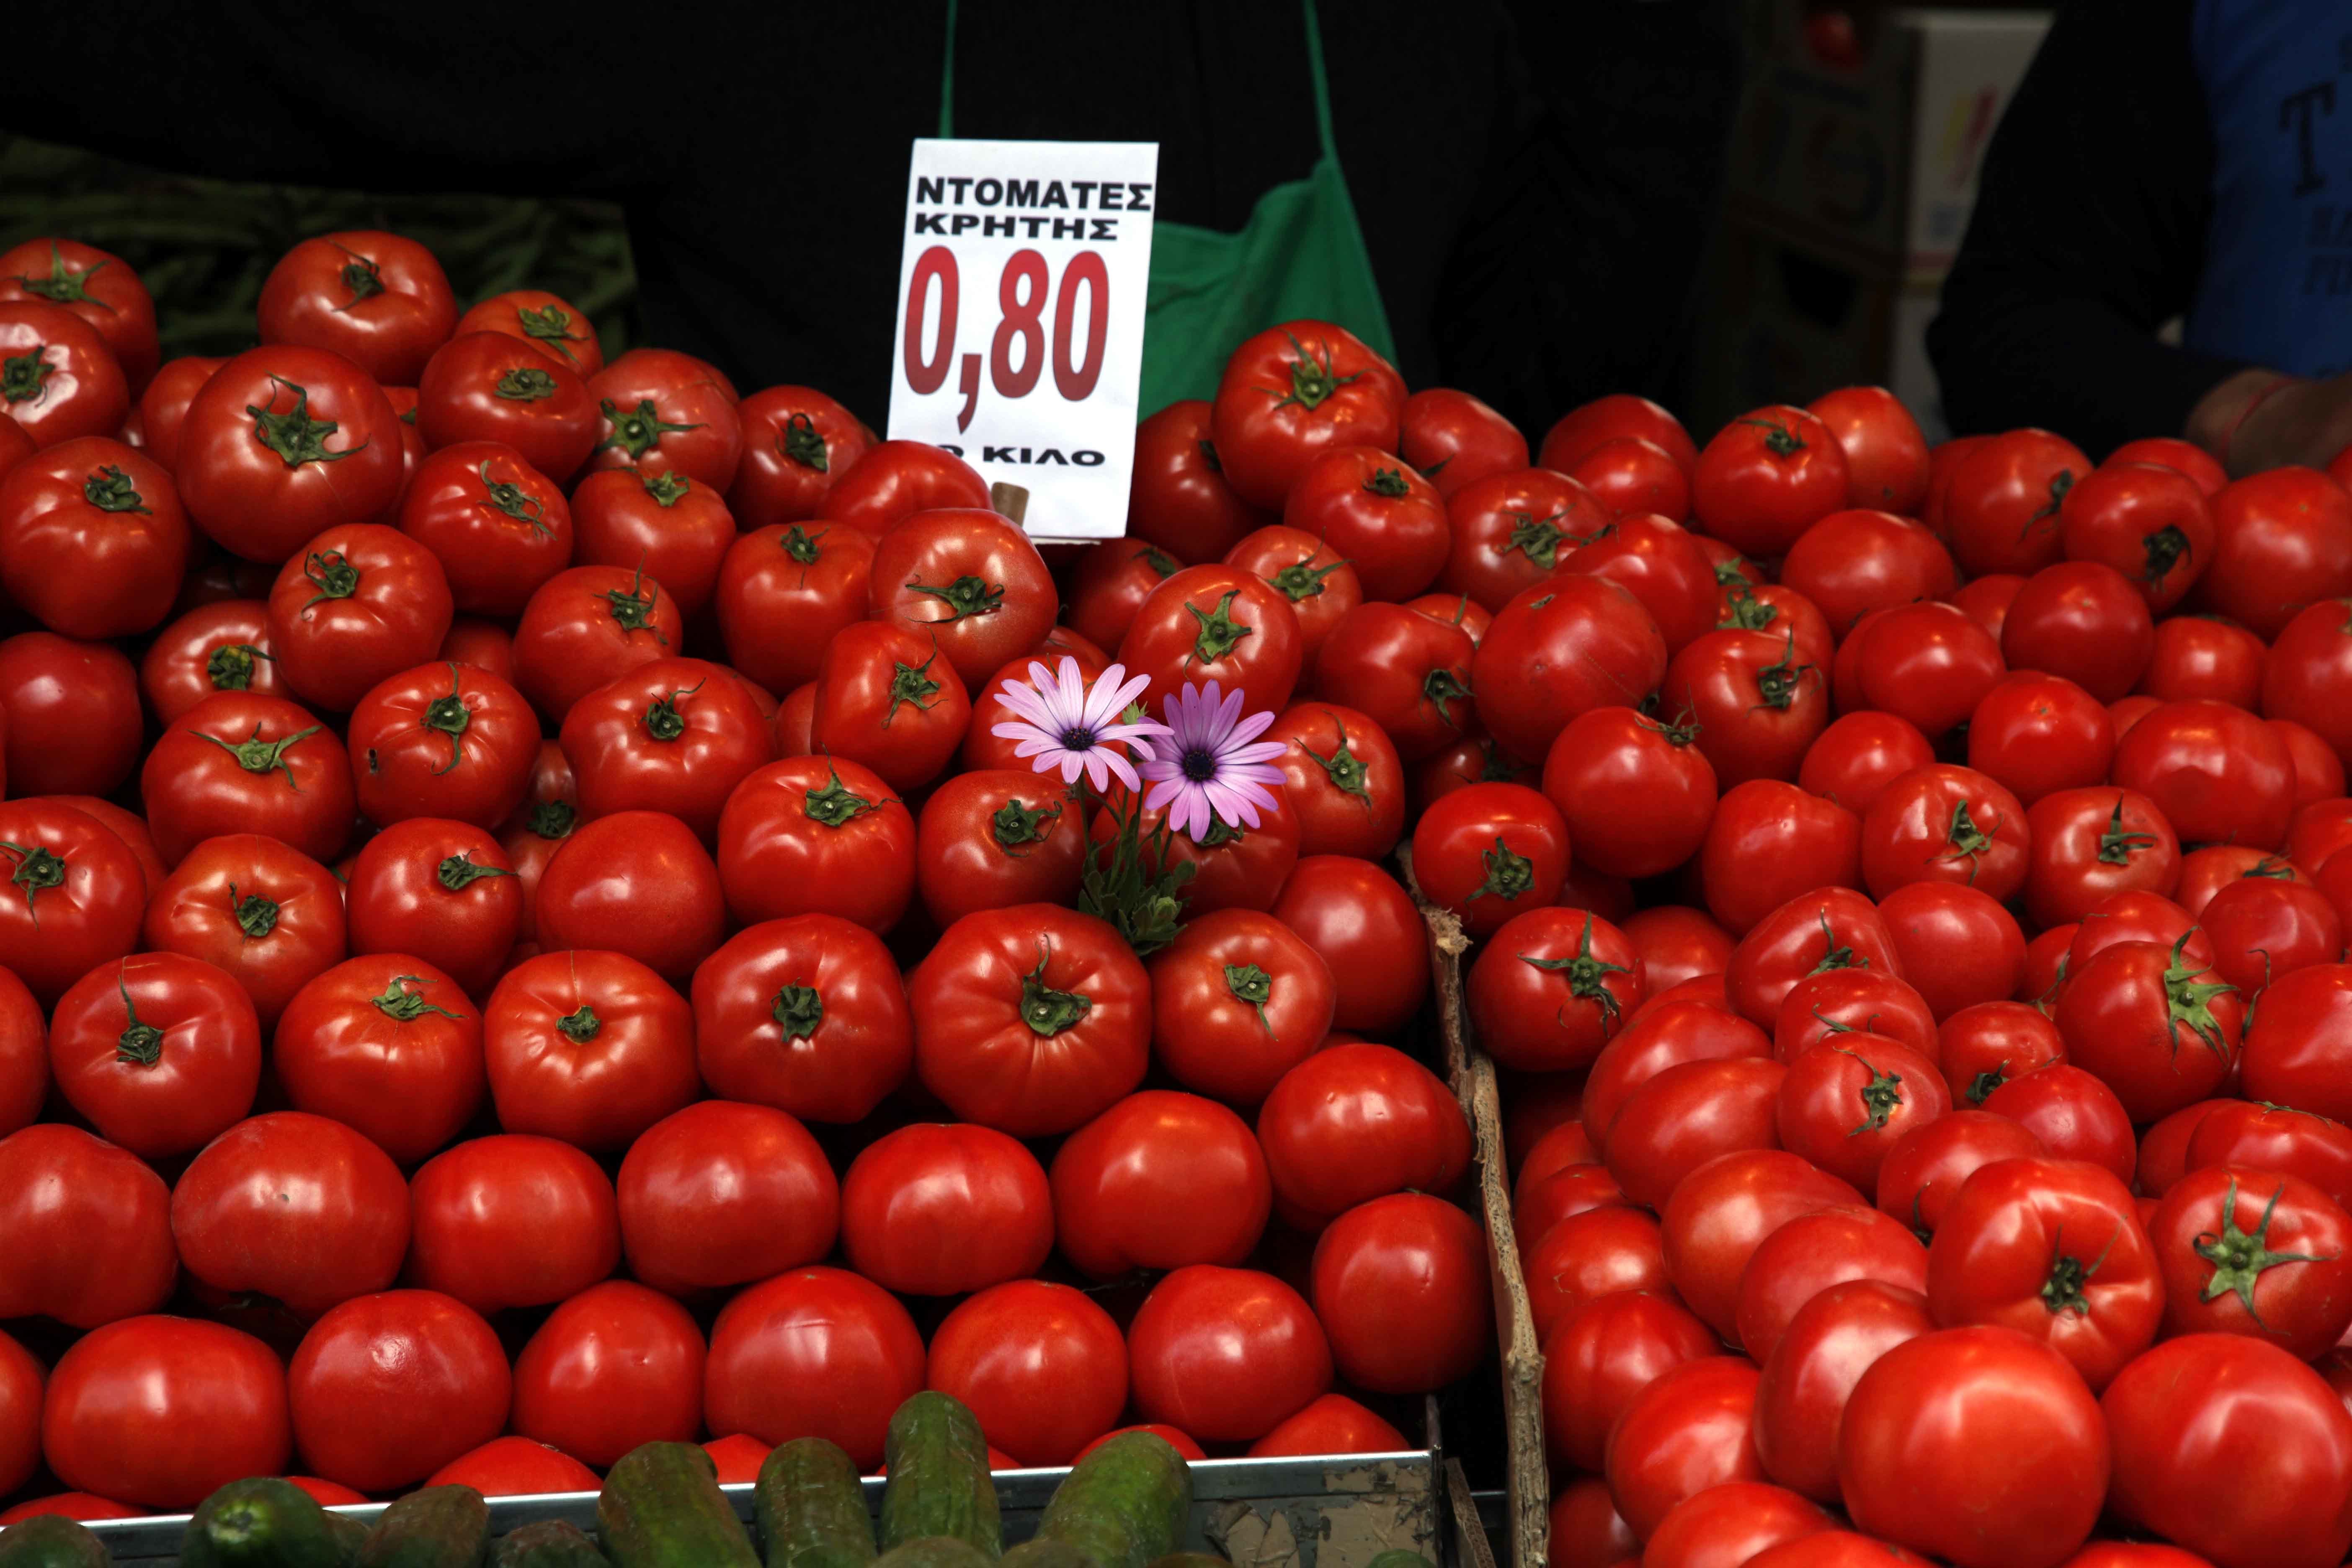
(1332,1424)
(1721,1212)
(160,1411)
(1230,1354)
(237,763)
(2002,509)
(1987,600)
(1489,852)
(2264,928)
(378,300)
(2083,621)
(1631,477)
(966,580)
(1585,1531)
(587,626)
(2282,541)
(2088,843)
(719,1193)
(294,1207)
(636,882)
(1977,1444)
(2295,1053)
(439,891)
(1661,566)
(1603,1355)
(443,740)
(24,1055)
(1722,1522)
(993,838)
(1927,1167)
(1855,759)
(514,1467)
(20,1414)
(1844,1105)
(94,285)
(614,1366)
(738,1459)
(266,914)
(1292,392)
(1040,1365)
(1400,1287)
(1928,663)
(815,1352)
(86,1225)
(1755,710)
(2318,771)
(1114,577)
(284,443)
(1238,999)
(1507,531)
(1409,674)
(1160,1181)
(1558,649)
(2171,452)
(554,326)
(1850,562)
(1637,796)
(1665,1035)
(427,1371)
(1582,429)
(1379,514)
(589,1048)
(1603,1251)
(665,412)
(816,835)
(1839,1002)
(2267,1138)
(2164,1148)
(1885,454)
(1354,1123)
(1984,1045)
(885,699)
(2201,657)
(498,528)
(783,591)
(1455,440)
(2216,772)
(934,1209)
(2305,677)
(1767,476)
(495,386)
(2252,1252)
(796,443)
(2075,1113)
(59,379)
(513,1221)
(92,538)
(2036,734)
(1687,1432)
(1830,928)
(1221,624)
(894,479)
(1551,989)
(77,895)
(386,1045)
(355,605)
(824,989)
(160,1052)
(70,1505)
(1768,842)
(1179,499)
(1821,1352)
(2209,1404)
(673,735)
(1321,586)
(221,647)
(2150,522)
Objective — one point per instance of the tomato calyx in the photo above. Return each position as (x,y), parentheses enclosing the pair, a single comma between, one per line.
(581,1026)
(459,872)
(1682,731)
(1538,538)
(2116,847)
(799,442)
(2188,1002)
(2270,867)
(800,1010)
(256,755)
(1495,766)
(141,1045)
(1045,1010)
(525,383)
(109,490)
(38,870)
(1969,842)
(1220,833)
(1209,455)
(2060,483)
(912,683)
(1882,1097)
(1508,874)
(1346,770)
(1839,956)
(1299,581)
(514,502)
(1167,566)
(1587,977)
(801,544)
(635,609)
(1389,483)
(360,275)
(24,376)
(1253,987)
(255,916)
(294,436)
(966,596)
(1980,1087)
(449,715)
(1311,380)
(1779,683)
(834,802)
(1444,687)
(1744,612)
(402,1006)
(2239,1257)
(1727,573)
(229,666)
(2165,548)
(1015,826)
(332,574)
(553,819)
(666,487)
(1778,439)
(663,721)
(639,430)
(1219,631)
(63,285)
(2063,1288)
(551,324)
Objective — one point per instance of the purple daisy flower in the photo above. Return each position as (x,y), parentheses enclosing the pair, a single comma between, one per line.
(1212,768)
(1076,729)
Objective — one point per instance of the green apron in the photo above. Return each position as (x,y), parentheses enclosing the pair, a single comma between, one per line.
(1301,255)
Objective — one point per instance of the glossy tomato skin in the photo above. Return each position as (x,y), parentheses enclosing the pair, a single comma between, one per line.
(1885,453)
(86,1225)
(444,740)
(1408,673)
(21,1378)
(2084,621)
(1729,1518)
(588,626)
(2215,771)
(1330,1423)
(2198,657)
(824,989)
(294,1207)
(2265,928)
(2036,734)
(2257,1253)
(2089,842)
(440,890)
(93,539)
(1377,514)
(614,1366)
(378,300)
(82,891)
(2171,452)
(514,1467)
(1585,1528)
(1354,1123)
(1577,433)
(1845,1103)
(813,1352)
(96,286)
(353,605)
(637,882)
(2150,522)
(1040,1365)
(1636,794)
(1160,1181)
(886,698)
(1928,663)
(160,1052)
(1490,852)
(1602,1354)
(1455,439)
(1511,530)
(666,412)
(816,835)
(1229,1352)
(1179,499)
(1400,1287)
(2282,540)
(160,1411)
(550,323)
(783,590)
(1754,710)
(2267,1138)
(1855,759)
(1767,476)
(24,1055)
(220,646)
(1984,1045)
(1368,931)
(589,1048)
(387,1045)
(1944,1422)
(1558,649)
(1658,563)
(895,479)
(1721,1212)
(1635,478)
(1551,989)
(968,581)
(2073,1112)
(1307,570)
(940,1209)
(64,381)
(163,408)
(497,526)
(1687,1432)
(1850,562)
(1216,623)
(512,1220)
(1769,842)
(2002,507)
(995,838)
(1292,392)
(2225,1404)
(1238,999)
(673,735)
(324,450)
(1830,928)
(2293,1052)
(237,763)
(426,1367)
(495,386)
(721,1193)
(1811,1370)
(796,443)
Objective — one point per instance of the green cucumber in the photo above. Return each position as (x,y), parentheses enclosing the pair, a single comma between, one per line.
(263,1522)
(51,1541)
(552,1543)
(939,1484)
(934,1552)
(661,1507)
(440,1527)
(1124,1505)
(1045,1552)
(810,1509)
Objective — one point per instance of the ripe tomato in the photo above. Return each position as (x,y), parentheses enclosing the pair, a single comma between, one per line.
(24,1055)
(1217,622)
(443,740)
(2217,772)
(2171,452)
(2265,928)
(294,1207)
(1400,1287)
(160,1053)
(1987,600)
(1307,570)
(1160,1181)
(2002,509)
(20,1414)
(1238,999)
(898,479)
(1754,709)
(219,646)
(1979,1445)
(1551,989)
(513,1221)
(387,1045)
(1722,1212)
(1768,843)
(1855,759)
(1925,1169)
(614,1366)
(588,1047)
(885,698)
(673,735)
(934,1209)
(1723,1522)
(816,835)
(75,896)
(969,582)
(1885,453)
(1809,1373)
(1599,1252)
(1767,476)
(1684,1432)
(2202,656)
(993,838)
(636,882)
(427,1371)
(829,994)
(1585,1528)
(378,300)
(160,1411)
(495,386)
(263,913)
(439,891)
(1603,1355)
(1292,392)
(1356,1122)
(1582,429)
(550,323)
(1455,439)
(2036,734)
(1558,649)
(1377,513)
(719,1192)
(2091,842)
(1489,852)
(238,762)
(1928,663)
(163,406)
(2282,541)
(2073,1112)
(1507,531)
(2318,771)
(2208,1403)
(1945,823)
(1407,673)
(1636,794)
(1190,1365)
(2267,1138)
(1366,927)
(1179,499)
(92,538)
(2150,522)
(1330,1423)
(94,285)
(796,443)
(514,1467)
(1835,1002)
(1984,1045)
(498,528)
(283,443)
(815,1352)
(1114,577)
(2292,1051)
(1845,1104)
(1851,562)
(783,592)
(1828,929)
(2083,621)
(662,523)
(1635,478)
(2252,1252)
(356,605)
(1686,1116)
(665,412)
(59,379)
(1660,565)
(86,1228)
(2305,677)
(588,626)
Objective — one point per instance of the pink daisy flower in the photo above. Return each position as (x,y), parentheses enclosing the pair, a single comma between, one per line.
(1213,767)
(1074,728)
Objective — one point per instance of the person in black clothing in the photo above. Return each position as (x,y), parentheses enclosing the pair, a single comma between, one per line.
(2162,160)
(1533,180)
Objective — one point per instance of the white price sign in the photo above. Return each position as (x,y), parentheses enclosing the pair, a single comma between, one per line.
(1021,296)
